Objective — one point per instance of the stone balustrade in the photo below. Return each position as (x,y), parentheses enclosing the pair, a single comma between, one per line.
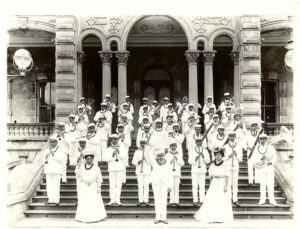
(273,129)
(29,131)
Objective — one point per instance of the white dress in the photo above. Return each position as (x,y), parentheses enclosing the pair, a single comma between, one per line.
(216,206)
(90,206)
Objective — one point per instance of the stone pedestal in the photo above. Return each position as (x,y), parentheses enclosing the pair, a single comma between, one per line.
(192,59)
(66,82)
(106,74)
(122,58)
(208,73)
(80,59)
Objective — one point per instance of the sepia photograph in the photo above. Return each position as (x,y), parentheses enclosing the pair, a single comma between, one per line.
(149,118)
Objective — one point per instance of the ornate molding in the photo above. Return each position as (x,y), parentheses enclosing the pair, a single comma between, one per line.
(105,56)
(122,56)
(115,23)
(200,22)
(192,56)
(235,57)
(91,20)
(81,57)
(209,57)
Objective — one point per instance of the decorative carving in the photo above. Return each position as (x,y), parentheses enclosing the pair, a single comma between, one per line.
(209,57)
(192,56)
(23,22)
(122,56)
(81,57)
(235,57)
(91,20)
(105,56)
(52,20)
(157,28)
(114,25)
(200,22)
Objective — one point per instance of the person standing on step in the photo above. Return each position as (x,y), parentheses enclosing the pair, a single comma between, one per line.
(129,105)
(168,125)
(110,105)
(218,139)
(188,130)
(145,113)
(82,121)
(227,119)
(240,129)
(208,117)
(170,112)
(144,134)
(72,135)
(142,107)
(177,162)
(161,180)
(198,159)
(115,156)
(233,156)
(226,103)
(108,115)
(176,136)
(142,125)
(187,113)
(216,207)
(124,111)
(159,138)
(143,172)
(208,105)
(54,158)
(182,107)
(164,109)
(90,206)
(87,107)
(251,137)
(92,140)
(102,133)
(264,157)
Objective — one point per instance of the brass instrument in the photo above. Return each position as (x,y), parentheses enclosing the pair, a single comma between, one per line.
(264,161)
(116,148)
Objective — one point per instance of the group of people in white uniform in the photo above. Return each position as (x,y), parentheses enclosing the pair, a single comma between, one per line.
(158,159)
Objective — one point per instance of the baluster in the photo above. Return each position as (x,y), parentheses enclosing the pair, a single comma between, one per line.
(36,131)
(27,130)
(44,130)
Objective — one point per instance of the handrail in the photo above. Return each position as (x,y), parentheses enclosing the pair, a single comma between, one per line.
(273,129)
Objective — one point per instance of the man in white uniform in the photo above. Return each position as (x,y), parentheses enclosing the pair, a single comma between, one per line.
(145,104)
(264,157)
(115,156)
(198,159)
(176,136)
(82,121)
(158,139)
(226,103)
(54,157)
(233,155)
(110,105)
(129,105)
(107,114)
(208,105)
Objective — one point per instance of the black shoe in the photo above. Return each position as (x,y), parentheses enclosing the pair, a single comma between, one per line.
(139,204)
(200,204)
(57,204)
(195,203)
(157,221)
(250,184)
(146,204)
(177,205)
(48,203)
(164,221)
(237,204)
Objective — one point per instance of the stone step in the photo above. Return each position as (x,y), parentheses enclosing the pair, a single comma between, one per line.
(133,199)
(133,206)
(150,213)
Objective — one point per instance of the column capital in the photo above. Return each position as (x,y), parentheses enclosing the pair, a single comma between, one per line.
(235,56)
(105,56)
(122,56)
(209,56)
(81,57)
(192,56)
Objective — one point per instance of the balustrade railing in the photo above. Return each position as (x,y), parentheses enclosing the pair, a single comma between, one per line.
(273,129)
(29,131)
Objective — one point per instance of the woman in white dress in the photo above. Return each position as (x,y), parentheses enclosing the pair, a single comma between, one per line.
(216,207)
(90,206)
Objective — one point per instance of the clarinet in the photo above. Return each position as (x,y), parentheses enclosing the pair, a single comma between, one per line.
(199,164)
(232,158)
(142,166)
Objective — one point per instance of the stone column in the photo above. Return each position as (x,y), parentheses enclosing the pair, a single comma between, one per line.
(236,76)
(122,58)
(192,59)
(80,59)
(208,73)
(106,72)
(9,100)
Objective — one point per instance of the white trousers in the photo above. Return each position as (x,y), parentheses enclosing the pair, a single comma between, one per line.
(103,147)
(266,178)
(198,180)
(53,187)
(143,186)
(233,184)
(174,194)
(115,186)
(251,178)
(160,201)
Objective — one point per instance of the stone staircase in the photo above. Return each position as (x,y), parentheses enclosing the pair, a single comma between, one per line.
(248,197)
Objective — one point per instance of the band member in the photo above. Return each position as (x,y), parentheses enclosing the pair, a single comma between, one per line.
(93,141)
(102,133)
(143,172)
(251,137)
(145,121)
(164,108)
(129,105)
(159,138)
(168,124)
(110,105)
(233,155)
(182,107)
(144,114)
(227,119)
(54,158)
(72,135)
(190,111)
(176,161)
(87,108)
(82,121)
(80,147)
(238,126)
(208,117)
(144,134)
(188,131)
(226,103)
(145,103)
(211,135)
(218,139)
(90,206)
(71,126)
(124,111)
(264,157)
(155,110)
(127,125)
(216,207)
(198,159)
(115,155)
(208,105)
(176,136)
(106,113)
(170,111)
(161,184)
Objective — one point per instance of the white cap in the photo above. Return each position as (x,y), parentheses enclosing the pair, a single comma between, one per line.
(154,101)
(208,97)
(221,128)
(145,99)
(263,135)
(159,152)
(53,138)
(143,140)
(232,133)
(124,104)
(226,94)
(103,104)
(127,96)
(145,106)
(81,98)
(169,105)
(198,139)
(91,125)
(170,115)
(166,98)
(80,107)
(60,124)
(114,136)
(236,114)
(191,116)
(82,140)
(71,116)
(190,105)
(216,116)
(173,143)
(176,124)
(197,126)
(147,125)
(88,152)
(228,107)
(120,125)
(107,96)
